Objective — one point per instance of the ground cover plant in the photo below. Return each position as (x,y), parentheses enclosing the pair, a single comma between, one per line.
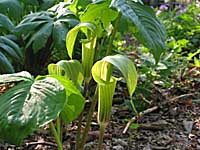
(86,31)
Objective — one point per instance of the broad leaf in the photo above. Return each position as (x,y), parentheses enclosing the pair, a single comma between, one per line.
(75,101)
(39,39)
(20,76)
(149,31)
(5,23)
(11,49)
(6,66)
(11,7)
(27,27)
(59,34)
(29,105)
(99,14)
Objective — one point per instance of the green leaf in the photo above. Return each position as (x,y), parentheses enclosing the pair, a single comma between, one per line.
(59,35)
(100,15)
(75,101)
(27,27)
(6,66)
(47,4)
(5,23)
(127,68)
(88,45)
(29,105)
(135,126)
(148,29)
(11,49)
(72,34)
(71,69)
(11,7)
(105,97)
(5,40)
(102,74)
(20,76)
(39,39)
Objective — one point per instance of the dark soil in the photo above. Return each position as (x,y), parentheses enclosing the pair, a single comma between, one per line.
(175,125)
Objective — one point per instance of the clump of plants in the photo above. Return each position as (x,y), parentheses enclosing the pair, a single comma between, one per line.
(60,96)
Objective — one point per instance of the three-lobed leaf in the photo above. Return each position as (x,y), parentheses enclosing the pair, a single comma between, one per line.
(148,29)
(99,14)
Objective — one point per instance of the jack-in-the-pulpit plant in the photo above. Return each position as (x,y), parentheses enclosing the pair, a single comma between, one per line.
(59,98)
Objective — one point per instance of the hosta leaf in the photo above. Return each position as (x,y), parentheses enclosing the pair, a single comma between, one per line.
(59,35)
(20,76)
(6,66)
(5,23)
(149,31)
(29,105)
(39,39)
(75,101)
(71,69)
(99,14)
(12,7)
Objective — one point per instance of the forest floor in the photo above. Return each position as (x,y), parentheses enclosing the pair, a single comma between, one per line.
(171,122)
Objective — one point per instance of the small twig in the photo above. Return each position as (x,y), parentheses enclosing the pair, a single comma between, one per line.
(41,143)
(181,96)
(153,109)
(138,116)
(145,100)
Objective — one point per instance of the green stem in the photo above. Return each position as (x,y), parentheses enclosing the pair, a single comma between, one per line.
(113,34)
(80,119)
(133,106)
(89,119)
(58,141)
(101,135)
(59,127)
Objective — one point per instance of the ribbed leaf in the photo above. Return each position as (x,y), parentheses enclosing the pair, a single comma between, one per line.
(149,31)
(12,7)
(5,40)
(29,105)
(102,74)
(25,28)
(5,23)
(105,96)
(20,76)
(6,66)
(88,45)
(101,70)
(75,101)
(99,14)
(127,68)
(71,69)
(39,39)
